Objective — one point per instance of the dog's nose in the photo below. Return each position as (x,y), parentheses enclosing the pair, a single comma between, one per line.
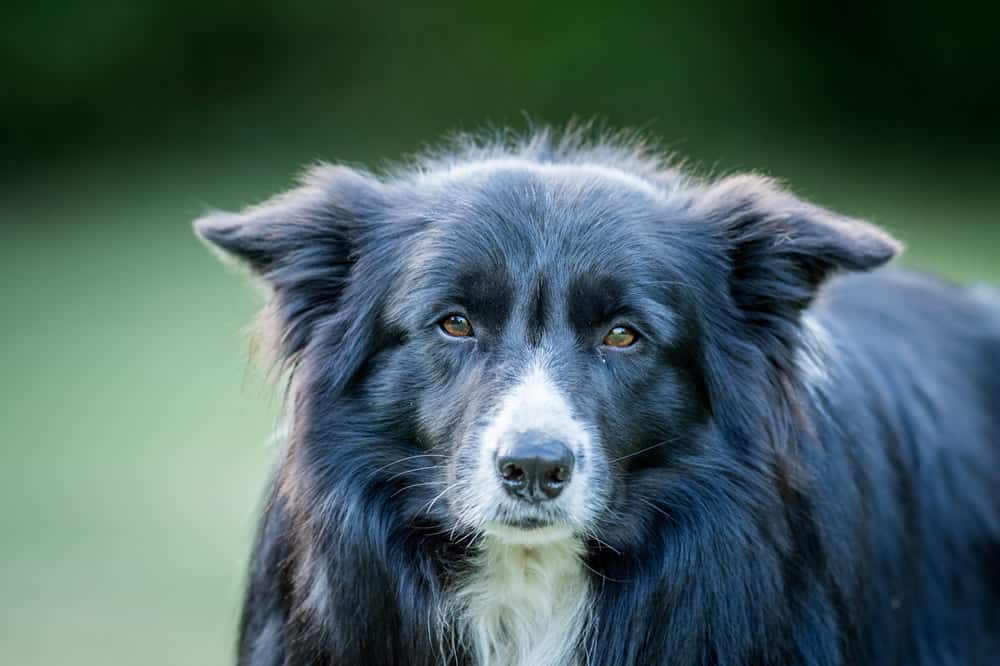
(535,468)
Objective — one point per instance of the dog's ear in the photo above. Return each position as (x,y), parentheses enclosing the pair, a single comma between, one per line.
(318,216)
(777,250)
(302,245)
(781,248)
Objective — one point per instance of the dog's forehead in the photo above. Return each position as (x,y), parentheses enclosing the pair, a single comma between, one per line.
(518,214)
(580,174)
(498,234)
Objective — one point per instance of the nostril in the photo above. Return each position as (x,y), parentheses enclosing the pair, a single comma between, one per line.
(554,480)
(511,472)
(559,474)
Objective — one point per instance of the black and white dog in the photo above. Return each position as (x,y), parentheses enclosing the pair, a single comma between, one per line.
(553,402)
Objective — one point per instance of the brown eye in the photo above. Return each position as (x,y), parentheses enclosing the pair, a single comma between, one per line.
(456,326)
(620,336)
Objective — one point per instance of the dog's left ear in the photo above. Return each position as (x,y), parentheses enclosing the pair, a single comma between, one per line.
(781,248)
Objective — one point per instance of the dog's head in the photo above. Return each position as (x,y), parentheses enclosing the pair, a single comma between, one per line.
(536,342)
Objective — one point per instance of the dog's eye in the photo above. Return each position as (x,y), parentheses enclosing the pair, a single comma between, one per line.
(620,336)
(456,326)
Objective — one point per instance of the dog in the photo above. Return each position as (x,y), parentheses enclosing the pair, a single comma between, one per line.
(554,401)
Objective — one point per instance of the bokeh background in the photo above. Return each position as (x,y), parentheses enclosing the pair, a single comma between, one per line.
(133,429)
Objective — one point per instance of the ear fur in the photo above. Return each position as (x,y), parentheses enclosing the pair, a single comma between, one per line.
(777,251)
(302,244)
(781,248)
(322,210)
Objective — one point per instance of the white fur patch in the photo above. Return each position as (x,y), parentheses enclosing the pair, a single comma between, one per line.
(811,356)
(523,605)
(535,404)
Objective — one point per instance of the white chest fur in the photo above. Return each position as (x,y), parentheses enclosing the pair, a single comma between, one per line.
(524,605)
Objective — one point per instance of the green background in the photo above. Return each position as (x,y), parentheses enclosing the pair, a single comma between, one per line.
(134,431)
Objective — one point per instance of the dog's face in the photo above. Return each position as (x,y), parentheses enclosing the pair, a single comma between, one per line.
(549,349)
(528,348)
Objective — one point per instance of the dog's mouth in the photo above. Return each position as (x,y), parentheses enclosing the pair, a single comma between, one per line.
(530,532)
(530,523)
(529,526)
(525,516)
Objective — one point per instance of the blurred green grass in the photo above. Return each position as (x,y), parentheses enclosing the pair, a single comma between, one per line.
(135,430)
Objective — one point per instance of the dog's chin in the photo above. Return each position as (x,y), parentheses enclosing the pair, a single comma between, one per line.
(529,532)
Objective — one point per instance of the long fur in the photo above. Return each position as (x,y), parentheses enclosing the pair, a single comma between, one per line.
(797,463)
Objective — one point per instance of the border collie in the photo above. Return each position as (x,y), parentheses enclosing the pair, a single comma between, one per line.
(553,401)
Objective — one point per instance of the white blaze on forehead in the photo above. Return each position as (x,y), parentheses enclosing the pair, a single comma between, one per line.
(535,404)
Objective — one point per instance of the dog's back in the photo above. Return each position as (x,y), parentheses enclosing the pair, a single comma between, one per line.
(912,399)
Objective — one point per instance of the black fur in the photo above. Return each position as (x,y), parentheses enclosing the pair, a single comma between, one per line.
(803,460)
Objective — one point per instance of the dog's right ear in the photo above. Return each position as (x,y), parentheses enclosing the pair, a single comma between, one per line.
(318,217)
(302,245)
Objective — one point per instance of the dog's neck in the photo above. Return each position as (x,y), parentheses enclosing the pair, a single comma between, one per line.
(521,605)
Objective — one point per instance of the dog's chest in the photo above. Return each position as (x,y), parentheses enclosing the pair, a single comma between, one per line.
(522,606)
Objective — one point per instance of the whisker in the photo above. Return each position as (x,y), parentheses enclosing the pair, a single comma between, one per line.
(598,573)
(648,448)
(451,535)
(470,537)
(593,536)
(417,485)
(404,459)
(656,507)
(409,471)
(439,496)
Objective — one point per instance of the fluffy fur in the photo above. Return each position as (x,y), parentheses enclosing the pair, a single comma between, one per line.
(795,463)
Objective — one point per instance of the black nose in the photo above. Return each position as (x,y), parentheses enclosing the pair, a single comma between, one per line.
(535,468)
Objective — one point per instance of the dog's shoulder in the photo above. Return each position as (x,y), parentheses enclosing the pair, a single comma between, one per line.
(922,305)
